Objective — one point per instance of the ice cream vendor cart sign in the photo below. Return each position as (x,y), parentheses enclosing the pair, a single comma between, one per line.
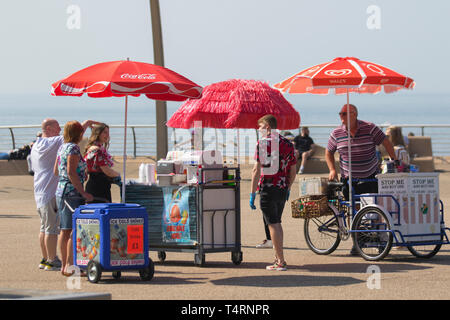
(127,242)
(418,197)
(176,215)
(88,240)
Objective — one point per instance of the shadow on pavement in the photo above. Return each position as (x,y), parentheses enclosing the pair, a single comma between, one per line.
(286,281)
(14,216)
(362,267)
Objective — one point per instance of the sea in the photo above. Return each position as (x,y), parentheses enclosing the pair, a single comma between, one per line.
(401,108)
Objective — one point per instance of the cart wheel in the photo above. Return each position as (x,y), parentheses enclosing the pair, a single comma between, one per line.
(161,256)
(236,257)
(199,260)
(94,271)
(147,273)
(425,251)
(116,274)
(372,246)
(322,234)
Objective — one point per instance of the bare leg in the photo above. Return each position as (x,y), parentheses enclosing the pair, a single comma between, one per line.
(50,244)
(276,233)
(63,245)
(42,245)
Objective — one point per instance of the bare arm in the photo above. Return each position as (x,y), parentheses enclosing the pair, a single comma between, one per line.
(329,157)
(389,148)
(55,168)
(89,123)
(256,173)
(109,171)
(292,175)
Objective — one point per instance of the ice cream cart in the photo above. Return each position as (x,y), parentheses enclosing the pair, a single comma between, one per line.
(200,214)
(406,212)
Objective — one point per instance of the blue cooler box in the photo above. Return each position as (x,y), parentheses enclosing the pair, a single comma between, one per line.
(115,235)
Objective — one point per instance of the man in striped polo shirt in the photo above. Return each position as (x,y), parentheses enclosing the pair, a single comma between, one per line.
(365,136)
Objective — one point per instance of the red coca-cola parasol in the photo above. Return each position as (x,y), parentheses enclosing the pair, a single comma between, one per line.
(124,78)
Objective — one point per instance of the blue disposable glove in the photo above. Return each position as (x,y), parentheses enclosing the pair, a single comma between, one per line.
(252,200)
(117,180)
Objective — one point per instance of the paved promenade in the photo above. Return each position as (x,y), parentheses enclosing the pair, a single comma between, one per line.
(337,276)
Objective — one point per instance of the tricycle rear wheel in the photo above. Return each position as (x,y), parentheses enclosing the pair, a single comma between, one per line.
(425,251)
(372,237)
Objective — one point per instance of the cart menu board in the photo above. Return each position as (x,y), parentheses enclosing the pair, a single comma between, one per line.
(126,242)
(176,215)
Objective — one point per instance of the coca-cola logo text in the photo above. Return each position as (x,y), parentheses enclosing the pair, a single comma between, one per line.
(142,76)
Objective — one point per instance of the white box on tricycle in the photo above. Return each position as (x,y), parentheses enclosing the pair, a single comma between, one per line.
(313,186)
(418,197)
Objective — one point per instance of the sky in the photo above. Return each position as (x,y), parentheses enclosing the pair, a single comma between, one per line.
(214,40)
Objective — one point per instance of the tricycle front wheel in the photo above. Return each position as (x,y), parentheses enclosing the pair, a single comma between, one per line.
(322,234)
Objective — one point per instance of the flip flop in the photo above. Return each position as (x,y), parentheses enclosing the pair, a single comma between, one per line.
(82,274)
(68,274)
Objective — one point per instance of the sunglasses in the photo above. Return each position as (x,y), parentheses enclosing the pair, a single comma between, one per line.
(344,113)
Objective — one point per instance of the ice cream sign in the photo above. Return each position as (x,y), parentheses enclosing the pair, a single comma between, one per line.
(393,185)
(408,183)
(176,215)
(424,185)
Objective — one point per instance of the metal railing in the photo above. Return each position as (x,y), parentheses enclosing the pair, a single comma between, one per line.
(141,139)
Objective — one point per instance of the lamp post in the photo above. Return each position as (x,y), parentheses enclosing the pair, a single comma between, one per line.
(161,106)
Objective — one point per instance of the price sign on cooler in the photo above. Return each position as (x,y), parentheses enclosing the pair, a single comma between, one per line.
(135,239)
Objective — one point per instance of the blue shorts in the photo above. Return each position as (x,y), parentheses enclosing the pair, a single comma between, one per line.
(65,213)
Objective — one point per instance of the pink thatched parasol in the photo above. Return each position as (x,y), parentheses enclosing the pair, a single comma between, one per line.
(236,103)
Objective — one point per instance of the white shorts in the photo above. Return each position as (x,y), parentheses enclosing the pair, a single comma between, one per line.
(49,218)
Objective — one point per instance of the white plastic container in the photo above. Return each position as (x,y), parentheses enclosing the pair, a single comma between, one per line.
(147,173)
(206,159)
(219,227)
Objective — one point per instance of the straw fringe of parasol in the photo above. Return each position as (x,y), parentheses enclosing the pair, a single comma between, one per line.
(236,103)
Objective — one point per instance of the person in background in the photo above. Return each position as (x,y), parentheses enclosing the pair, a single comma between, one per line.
(42,159)
(304,146)
(267,242)
(396,138)
(99,164)
(273,175)
(70,167)
(365,136)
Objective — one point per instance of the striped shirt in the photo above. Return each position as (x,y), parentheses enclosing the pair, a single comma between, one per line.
(363,148)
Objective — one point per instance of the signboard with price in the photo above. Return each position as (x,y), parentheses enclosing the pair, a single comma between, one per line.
(127,241)
(135,239)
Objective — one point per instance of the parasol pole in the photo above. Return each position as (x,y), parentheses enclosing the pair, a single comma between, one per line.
(238,149)
(349,156)
(124,150)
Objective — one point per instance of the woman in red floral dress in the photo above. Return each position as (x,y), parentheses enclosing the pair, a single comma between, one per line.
(99,165)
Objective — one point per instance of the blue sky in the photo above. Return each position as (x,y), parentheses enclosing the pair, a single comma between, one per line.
(215,40)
